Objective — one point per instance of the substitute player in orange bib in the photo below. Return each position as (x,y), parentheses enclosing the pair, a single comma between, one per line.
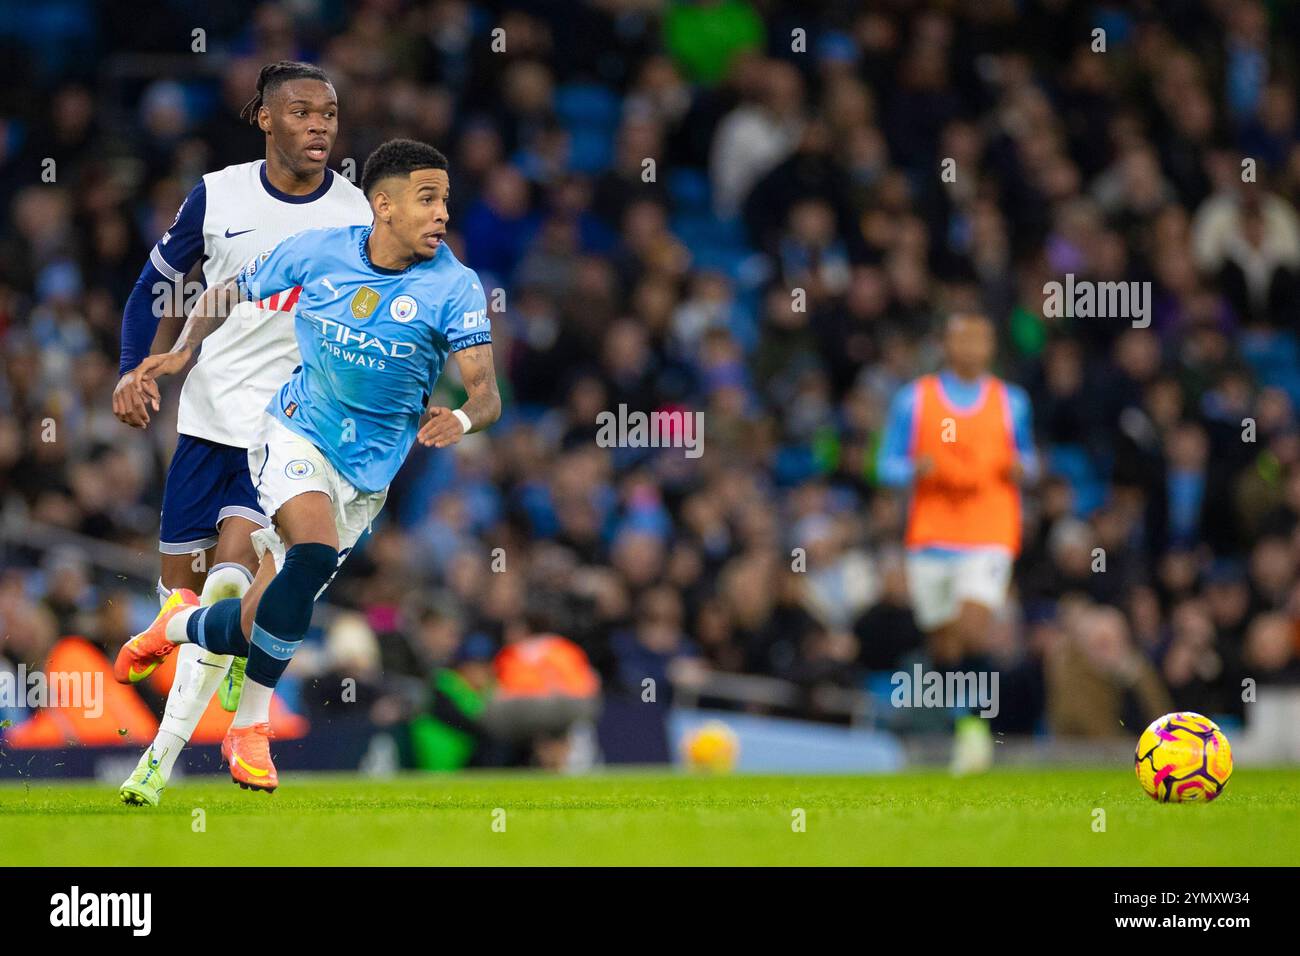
(962,440)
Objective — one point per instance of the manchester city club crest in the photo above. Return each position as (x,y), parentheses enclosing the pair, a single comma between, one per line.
(300,468)
(403,308)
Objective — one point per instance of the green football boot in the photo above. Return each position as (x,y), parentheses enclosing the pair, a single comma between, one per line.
(145,786)
(232,685)
(972,750)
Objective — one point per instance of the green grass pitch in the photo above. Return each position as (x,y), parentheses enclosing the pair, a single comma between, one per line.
(1008,817)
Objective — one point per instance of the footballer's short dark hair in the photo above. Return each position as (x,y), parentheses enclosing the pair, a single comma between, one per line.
(399,157)
(274,75)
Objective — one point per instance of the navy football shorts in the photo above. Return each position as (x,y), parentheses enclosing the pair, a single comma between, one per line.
(207,482)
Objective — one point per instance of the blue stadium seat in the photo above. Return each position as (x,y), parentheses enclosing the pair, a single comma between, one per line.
(1072,463)
(587,105)
(1274,357)
(590,150)
(794,464)
(1270,351)
(701,227)
(728,260)
(689,188)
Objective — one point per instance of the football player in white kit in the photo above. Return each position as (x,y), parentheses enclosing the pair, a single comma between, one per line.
(209,506)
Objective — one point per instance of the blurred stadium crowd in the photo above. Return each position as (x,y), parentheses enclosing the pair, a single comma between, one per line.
(780,161)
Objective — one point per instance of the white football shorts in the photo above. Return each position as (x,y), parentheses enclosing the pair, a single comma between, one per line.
(284,465)
(940,583)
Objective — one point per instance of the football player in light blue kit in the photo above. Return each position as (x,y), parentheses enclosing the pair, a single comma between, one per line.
(381,308)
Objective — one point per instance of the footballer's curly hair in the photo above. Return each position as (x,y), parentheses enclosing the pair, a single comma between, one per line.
(399,157)
(275,74)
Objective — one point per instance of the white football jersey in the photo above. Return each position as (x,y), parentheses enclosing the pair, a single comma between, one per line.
(231,216)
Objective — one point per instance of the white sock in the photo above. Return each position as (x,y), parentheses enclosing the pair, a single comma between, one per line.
(254,704)
(198,671)
(198,674)
(165,749)
(175,629)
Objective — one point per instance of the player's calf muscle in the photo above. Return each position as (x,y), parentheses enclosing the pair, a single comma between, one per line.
(186,570)
(974,625)
(945,644)
(248,605)
(235,544)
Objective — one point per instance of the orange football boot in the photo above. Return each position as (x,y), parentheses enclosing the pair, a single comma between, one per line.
(248,752)
(143,653)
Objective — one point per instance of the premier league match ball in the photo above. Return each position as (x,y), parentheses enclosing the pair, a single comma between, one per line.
(1183,758)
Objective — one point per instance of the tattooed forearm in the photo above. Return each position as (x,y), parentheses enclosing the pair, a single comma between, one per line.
(479,375)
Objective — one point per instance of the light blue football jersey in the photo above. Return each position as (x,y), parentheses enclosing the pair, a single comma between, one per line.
(373,343)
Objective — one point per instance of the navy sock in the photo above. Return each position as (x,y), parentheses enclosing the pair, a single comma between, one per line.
(284,612)
(217,628)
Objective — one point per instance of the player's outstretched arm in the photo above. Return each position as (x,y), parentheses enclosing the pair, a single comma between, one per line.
(445,427)
(209,312)
(151,299)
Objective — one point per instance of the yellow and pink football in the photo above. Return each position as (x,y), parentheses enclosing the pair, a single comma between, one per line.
(1183,758)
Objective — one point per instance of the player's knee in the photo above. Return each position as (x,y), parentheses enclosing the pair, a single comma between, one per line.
(311,563)
(174,577)
(974,621)
(227,580)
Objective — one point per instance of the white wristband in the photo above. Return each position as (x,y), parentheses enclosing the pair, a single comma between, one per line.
(461,417)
